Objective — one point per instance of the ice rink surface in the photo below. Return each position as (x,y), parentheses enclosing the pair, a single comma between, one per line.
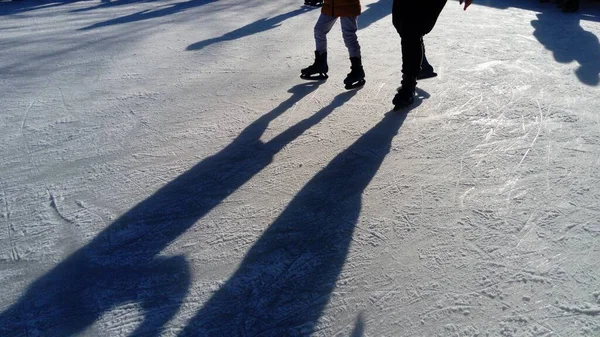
(164,171)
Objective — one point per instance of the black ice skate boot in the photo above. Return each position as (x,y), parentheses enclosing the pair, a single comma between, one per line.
(406,93)
(314,3)
(426,70)
(356,77)
(318,68)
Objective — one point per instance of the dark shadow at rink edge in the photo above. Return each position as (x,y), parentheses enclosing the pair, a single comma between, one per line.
(589,9)
(122,264)
(562,34)
(287,277)
(569,42)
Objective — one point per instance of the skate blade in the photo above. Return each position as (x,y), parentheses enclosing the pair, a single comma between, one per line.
(314,77)
(358,84)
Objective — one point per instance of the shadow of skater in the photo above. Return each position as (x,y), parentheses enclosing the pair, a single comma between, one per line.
(375,11)
(22,6)
(563,35)
(113,3)
(286,278)
(149,14)
(122,265)
(259,26)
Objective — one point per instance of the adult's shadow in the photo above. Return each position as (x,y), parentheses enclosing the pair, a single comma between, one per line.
(286,279)
(122,264)
(563,35)
(259,26)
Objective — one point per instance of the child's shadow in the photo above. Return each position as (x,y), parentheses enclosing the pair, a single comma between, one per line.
(123,264)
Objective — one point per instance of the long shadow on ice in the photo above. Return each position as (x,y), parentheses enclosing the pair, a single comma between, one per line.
(259,26)
(287,277)
(375,11)
(23,6)
(165,10)
(122,265)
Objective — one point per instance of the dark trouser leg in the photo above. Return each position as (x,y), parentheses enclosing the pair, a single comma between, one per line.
(424,63)
(413,20)
(426,68)
(412,56)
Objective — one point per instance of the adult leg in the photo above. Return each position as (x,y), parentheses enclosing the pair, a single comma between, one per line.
(426,68)
(404,17)
(406,21)
(413,20)
(432,12)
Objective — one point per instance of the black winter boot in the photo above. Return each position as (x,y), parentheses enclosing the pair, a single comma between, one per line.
(319,68)
(356,77)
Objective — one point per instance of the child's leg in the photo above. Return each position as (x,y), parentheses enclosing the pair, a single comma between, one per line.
(356,77)
(349,27)
(322,27)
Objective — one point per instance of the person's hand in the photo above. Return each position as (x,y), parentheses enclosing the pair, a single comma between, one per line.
(467,3)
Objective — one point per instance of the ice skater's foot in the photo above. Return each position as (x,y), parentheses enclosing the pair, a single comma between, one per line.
(426,73)
(354,85)
(356,77)
(318,70)
(404,97)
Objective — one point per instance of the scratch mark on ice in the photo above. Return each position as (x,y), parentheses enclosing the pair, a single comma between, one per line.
(536,136)
(54,206)
(532,227)
(6,214)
